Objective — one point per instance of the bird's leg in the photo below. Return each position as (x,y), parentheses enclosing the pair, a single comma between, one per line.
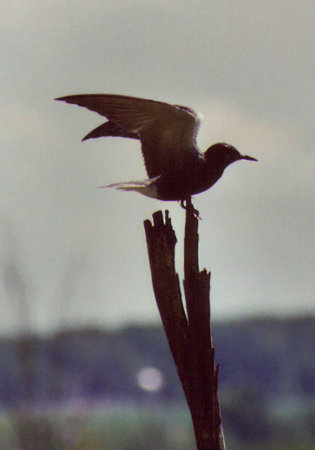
(182,204)
(187,204)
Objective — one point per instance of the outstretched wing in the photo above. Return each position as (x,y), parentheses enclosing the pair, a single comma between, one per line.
(167,132)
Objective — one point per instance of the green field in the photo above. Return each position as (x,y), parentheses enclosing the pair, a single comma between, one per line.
(122,427)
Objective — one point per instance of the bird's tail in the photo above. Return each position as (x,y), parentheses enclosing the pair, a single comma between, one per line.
(146,187)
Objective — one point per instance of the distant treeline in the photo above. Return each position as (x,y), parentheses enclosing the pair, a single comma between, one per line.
(260,358)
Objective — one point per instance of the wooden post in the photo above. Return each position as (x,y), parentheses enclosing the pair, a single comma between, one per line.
(189,336)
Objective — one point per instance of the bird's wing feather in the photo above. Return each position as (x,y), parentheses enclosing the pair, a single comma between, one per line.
(167,132)
(110,129)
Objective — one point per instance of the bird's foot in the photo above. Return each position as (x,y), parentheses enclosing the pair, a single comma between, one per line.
(187,204)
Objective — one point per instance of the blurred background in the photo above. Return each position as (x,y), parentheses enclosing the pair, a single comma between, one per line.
(84,362)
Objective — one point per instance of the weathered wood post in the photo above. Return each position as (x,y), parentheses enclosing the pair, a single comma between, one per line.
(189,336)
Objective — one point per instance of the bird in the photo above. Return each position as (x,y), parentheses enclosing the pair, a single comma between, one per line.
(175,166)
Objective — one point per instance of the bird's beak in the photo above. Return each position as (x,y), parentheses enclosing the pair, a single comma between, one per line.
(249,158)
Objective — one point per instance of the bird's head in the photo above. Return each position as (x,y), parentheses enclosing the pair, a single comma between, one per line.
(224,154)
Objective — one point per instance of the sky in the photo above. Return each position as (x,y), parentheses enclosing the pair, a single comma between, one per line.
(73,254)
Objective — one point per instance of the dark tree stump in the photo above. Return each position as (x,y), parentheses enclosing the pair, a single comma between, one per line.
(189,336)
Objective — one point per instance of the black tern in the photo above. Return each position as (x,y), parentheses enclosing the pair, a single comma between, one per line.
(175,166)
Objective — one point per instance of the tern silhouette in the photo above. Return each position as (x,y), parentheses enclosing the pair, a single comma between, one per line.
(175,166)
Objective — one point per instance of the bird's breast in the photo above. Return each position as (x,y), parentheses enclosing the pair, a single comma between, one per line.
(184,181)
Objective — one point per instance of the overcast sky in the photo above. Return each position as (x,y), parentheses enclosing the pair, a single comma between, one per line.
(74,254)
